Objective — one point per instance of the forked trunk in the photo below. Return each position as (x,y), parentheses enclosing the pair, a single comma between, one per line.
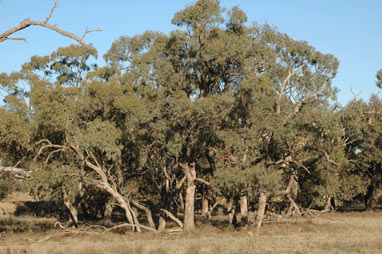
(261,209)
(243,210)
(73,211)
(130,216)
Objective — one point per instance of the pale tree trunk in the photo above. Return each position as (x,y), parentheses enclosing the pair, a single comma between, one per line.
(73,211)
(188,222)
(162,224)
(205,207)
(147,211)
(243,210)
(108,212)
(330,204)
(130,216)
(291,193)
(181,200)
(105,185)
(190,173)
(261,209)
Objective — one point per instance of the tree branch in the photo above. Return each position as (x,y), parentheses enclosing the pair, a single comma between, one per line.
(202,181)
(27,22)
(301,103)
(130,225)
(328,158)
(51,12)
(171,216)
(283,87)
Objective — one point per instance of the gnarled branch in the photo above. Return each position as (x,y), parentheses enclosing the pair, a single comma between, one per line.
(27,23)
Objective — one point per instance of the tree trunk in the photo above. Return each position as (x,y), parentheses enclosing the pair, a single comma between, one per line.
(243,210)
(230,211)
(205,207)
(261,209)
(73,211)
(291,193)
(162,224)
(147,211)
(369,197)
(108,212)
(124,204)
(188,220)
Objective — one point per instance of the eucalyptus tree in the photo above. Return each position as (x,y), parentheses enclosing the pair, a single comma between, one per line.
(266,132)
(193,68)
(362,126)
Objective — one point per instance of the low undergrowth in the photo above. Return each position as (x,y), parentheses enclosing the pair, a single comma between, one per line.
(329,233)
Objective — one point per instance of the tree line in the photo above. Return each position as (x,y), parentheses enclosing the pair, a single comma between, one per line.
(216,110)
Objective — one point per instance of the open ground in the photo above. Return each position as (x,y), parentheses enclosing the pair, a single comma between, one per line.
(354,232)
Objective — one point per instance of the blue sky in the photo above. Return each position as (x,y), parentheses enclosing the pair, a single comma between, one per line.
(348,29)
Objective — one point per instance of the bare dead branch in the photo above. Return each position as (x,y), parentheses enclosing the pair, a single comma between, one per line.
(51,12)
(27,23)
(18,39)
(202,181)
(89,31)
(129,225)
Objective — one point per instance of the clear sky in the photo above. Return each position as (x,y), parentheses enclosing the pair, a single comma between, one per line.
(349,29)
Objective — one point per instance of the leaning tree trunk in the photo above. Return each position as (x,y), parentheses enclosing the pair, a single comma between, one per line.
(73,211)
(188,221)
(147,211)
(131,218)
(161,224)
(243,210)
(105,185)
(261,209)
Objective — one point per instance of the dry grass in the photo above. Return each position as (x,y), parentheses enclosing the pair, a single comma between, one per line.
(332,233)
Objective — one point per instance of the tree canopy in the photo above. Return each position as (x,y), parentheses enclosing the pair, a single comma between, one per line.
(215,110)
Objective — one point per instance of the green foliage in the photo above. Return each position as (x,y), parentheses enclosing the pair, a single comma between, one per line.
(249,107)
(6,187)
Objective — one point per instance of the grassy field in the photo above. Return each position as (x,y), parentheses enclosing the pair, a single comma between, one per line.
(329,233)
